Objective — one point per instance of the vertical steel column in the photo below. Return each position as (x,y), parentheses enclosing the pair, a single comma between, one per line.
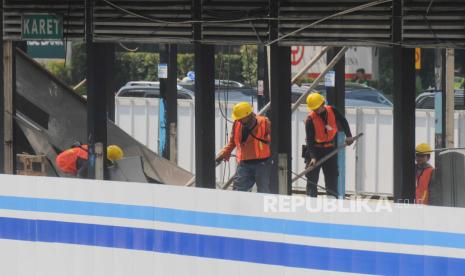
(280,95)
(168,102)
(204,105)
(404,111)
(110,85)
(96,96)
(449,98)
(336,97)
(262,71)
(2,98)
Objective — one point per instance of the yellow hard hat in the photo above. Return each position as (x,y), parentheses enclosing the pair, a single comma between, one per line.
(314,101)
(114,153)
(241,110)
(423,148)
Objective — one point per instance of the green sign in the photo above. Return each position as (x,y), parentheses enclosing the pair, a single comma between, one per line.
(46,49)
(41,27)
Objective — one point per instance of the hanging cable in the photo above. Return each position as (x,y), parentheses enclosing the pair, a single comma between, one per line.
(429,6)
(127,49)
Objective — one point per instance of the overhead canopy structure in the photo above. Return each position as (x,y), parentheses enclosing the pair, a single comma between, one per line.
(425,23)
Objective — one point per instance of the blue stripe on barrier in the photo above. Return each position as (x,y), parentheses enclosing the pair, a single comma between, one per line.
(226,248)
(237,222)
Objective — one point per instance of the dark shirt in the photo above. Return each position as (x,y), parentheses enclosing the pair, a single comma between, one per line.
(310,131)
(245,134)
(246,131)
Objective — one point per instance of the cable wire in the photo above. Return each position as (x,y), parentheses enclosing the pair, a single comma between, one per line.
(127,49)
(186,21)
(344,12)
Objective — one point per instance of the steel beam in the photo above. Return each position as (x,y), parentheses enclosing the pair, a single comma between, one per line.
(280,91)
(205,116)
(336,97)
(110,85)
(262,72)
(96,96)
(2,98)
(168,103)
(404,111)
(204,105)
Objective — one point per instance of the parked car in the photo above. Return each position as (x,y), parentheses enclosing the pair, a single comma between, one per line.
(360,95)
(149,89)
(426,99)
(250,94)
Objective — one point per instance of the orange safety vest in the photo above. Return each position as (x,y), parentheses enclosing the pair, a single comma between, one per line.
(324,134)
(66,161)
(422,190)
(260,148)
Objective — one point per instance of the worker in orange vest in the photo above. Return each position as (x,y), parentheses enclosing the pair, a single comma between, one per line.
(321,127)
(74,160)
(251,136)
(424,173)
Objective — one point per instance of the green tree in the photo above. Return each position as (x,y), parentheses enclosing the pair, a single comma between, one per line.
(249,54)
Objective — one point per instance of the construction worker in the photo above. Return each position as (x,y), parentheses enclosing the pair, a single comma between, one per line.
(251,136)
(114,153)
(424,173)
(74,160)
(321,127)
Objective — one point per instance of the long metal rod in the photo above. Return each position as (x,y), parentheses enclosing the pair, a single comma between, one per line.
(330,66)
(324,159)
(310,64)
(315,83)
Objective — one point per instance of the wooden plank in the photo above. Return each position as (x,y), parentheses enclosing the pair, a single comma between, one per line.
(33,165)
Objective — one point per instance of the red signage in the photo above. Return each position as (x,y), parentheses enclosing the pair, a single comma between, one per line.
(297,54)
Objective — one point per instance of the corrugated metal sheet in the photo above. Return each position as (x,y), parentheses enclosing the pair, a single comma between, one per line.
(426,23)
(155,23)
(371,24)
(442,24)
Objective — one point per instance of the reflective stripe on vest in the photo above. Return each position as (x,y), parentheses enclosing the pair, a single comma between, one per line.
(261,149)
(324,133)
(422,190)
(66,161)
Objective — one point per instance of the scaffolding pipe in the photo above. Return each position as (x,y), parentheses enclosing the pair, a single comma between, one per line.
(315,82)
(310,64)
(330,66)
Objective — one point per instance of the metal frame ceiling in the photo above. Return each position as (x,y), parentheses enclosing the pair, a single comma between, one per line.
(426,23)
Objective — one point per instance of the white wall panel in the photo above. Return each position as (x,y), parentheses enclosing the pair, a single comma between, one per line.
(65,226)
(369,164)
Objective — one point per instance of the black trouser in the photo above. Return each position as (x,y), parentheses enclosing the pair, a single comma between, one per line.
(81,166)
(330,171)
